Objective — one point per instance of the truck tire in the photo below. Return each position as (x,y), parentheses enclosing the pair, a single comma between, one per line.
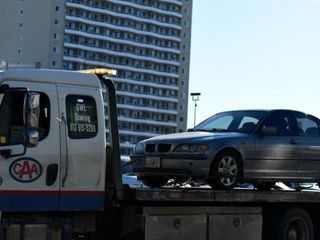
(154,182)
(294,224)
(225,171)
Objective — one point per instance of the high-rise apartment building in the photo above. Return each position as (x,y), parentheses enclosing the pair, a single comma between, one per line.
(146,41)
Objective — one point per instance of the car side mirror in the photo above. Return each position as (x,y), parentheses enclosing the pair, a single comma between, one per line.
(269,131)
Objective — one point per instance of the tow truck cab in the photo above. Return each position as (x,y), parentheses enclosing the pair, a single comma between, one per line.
(52,141)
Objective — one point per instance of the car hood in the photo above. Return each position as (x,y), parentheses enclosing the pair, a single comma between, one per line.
(192,136)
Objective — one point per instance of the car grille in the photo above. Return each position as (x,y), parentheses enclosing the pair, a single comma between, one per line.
(162,147)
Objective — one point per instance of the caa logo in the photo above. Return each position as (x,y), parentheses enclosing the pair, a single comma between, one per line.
(25,170)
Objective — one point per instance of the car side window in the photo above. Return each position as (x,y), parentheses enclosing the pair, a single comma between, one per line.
(12,127)
(307,125)
(281,122)
(247,124)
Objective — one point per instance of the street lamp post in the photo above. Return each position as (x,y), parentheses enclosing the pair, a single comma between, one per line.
(195,99)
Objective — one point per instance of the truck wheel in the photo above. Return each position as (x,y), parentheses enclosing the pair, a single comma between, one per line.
(154,182)
(295,224)
(225,171)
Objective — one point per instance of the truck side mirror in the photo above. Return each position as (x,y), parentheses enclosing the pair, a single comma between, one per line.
(32,113)
(32,137)
(33,110)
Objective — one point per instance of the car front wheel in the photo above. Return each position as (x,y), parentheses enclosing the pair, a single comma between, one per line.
(225,171)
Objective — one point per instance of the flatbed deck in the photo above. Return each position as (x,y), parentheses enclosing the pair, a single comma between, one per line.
(205,196)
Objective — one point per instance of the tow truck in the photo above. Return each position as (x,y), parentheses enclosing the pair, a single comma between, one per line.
(60,175)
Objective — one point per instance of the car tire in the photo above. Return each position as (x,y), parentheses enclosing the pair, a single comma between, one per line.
(225,171)
(154,182)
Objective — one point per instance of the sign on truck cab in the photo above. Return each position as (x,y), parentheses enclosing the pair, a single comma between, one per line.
(52,141)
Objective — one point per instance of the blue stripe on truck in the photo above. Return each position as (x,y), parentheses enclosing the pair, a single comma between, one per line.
(46,201)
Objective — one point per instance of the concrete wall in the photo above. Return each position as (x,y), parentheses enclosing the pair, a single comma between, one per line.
(26,31)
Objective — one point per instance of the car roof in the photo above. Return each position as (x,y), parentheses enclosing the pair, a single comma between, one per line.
(269,110)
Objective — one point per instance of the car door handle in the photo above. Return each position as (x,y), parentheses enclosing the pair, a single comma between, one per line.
(293,142)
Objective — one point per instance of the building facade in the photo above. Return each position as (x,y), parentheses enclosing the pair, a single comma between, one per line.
(146,41)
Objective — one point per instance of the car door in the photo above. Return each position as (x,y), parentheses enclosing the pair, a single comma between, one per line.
(277,154)
(309,145)
(29,178)
(83,148)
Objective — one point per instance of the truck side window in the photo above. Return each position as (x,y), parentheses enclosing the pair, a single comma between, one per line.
(81,117)
(12,128)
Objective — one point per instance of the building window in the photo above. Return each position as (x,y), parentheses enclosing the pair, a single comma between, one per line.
(21,11)
(53,63)
(55,36)
(57,8)
(21,24)
(56,22)
(19,51)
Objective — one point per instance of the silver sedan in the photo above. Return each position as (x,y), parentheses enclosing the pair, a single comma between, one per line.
(258,146)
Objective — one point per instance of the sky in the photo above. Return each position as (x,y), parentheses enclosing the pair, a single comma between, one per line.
(254,54)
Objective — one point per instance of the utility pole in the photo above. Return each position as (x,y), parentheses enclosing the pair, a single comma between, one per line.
(195,99)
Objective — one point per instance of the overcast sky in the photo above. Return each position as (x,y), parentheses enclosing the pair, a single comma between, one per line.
(255,54)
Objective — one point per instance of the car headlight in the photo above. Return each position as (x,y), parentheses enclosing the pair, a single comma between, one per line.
(139,148)
(191,148)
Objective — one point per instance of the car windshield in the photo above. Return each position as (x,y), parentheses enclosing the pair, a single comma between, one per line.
(235,121)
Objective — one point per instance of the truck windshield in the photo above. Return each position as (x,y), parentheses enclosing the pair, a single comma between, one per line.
(235,121)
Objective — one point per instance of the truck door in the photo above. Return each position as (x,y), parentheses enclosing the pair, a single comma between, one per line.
(29,177)
(83,148)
